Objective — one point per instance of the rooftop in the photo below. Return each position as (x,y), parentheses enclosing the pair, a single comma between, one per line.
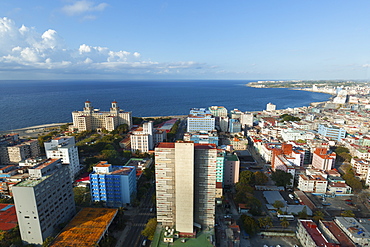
(86,228)
(338,234)
(32,182)
(8,217)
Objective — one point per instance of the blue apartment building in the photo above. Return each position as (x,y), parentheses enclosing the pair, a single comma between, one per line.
(332,132)
(220,163)
(114,185)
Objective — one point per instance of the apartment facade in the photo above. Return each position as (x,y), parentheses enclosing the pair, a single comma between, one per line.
(200,119)
(113,185)
(43,201)
(64,148)
(91,119)
(332,132)
(186,185)
(16,151)
(323,159)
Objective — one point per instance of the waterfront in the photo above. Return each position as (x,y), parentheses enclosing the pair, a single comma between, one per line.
(30,103)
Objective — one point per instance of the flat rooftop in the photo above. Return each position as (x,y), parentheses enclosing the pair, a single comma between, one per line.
(338,234)
(86,228)
(32,182)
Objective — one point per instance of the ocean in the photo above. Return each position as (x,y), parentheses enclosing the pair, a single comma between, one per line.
(29,103)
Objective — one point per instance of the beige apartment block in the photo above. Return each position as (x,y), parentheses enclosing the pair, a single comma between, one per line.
(186,185)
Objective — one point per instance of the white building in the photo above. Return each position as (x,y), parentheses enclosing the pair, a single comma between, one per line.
(218,111)
(313,183)
(200,119)
(144,138)
(44,201)
(270,107)
(91,119)
(64,148)
(352,227)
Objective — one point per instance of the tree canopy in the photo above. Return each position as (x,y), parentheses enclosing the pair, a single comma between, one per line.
(150,229)
(287,117)
(281,178)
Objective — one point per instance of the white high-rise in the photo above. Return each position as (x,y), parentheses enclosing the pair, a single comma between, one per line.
(64,148)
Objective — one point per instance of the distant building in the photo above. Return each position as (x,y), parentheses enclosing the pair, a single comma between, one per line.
(200,119)
(270,107)
(332,132)
(113,185)
(44,201)
(145,137)
(91,119)
(185,185)
(14,150)
(234,126)
(64,148)
(218,111)
(210,137)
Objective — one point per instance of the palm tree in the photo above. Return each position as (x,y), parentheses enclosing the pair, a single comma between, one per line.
(265,222)
(284,223)
(319,215)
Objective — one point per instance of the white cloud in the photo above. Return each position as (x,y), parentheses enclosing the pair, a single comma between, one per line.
(25,49)
(82,7)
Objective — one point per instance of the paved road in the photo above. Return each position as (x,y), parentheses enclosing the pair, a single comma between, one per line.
(137,223)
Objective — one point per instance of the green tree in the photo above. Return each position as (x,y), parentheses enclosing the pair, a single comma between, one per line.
(278,204)
(82,196)
(281,178)
(347,213)
(318,215)
(260,178)
(150,229)
(284,223)
(246,177)
(265,222)
(303,214)
(250,224)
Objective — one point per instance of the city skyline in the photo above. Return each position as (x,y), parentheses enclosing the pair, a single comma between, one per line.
(68,39)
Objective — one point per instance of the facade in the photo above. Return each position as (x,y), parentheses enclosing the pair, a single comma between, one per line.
(145,137)
(312,183)
(113,185)
(234,126)
(202,137)
(200,119)
(220,164)
(332,132)
(186,185)
(91,119)
(44,201)
(323,159)
(218,111)
(270,107)
(14,150)
(231,170)
(64,148)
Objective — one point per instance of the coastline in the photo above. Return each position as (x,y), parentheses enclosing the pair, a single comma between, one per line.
(32,131)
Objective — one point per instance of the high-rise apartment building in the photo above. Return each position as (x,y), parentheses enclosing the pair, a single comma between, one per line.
(64,148)
(91,119)
(14,150)
(270,107)
(43,201)
(186,185)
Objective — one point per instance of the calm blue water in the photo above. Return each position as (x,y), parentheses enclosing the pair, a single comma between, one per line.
(28,103)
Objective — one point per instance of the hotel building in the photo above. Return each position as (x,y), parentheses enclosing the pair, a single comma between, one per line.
(200,119)
(91,119)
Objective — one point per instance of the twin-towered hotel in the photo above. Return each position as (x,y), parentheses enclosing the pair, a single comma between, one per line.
(90,118)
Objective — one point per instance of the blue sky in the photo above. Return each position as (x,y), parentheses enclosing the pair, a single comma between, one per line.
(150,39)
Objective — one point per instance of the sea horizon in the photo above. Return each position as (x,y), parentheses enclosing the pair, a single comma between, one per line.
(26,103)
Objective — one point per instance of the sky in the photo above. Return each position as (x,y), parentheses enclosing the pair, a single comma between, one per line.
(174,39)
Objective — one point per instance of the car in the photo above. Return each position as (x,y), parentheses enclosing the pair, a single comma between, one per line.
(143,243)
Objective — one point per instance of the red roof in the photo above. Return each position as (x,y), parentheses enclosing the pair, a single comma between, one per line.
(8,217)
